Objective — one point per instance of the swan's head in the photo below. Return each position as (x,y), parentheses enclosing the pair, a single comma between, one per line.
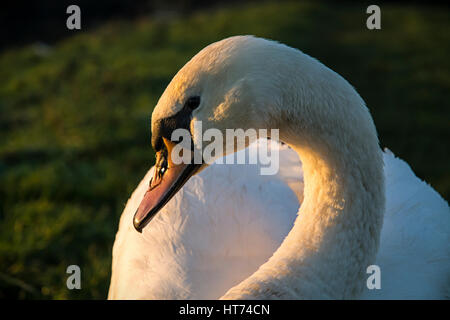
(215,88)
(240,82)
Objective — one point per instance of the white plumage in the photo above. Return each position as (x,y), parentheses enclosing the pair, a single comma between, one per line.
(221,227)
(213,234)
(414,254)
(230,232)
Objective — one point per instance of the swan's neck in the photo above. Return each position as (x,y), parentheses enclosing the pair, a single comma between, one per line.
(336,234)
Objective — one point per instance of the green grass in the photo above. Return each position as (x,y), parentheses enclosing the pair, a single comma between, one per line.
(75,134)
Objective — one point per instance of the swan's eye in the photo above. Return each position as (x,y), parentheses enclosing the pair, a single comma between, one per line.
(193,102)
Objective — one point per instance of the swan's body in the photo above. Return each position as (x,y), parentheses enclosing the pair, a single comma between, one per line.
(197,248)
(217,245)
(231,231)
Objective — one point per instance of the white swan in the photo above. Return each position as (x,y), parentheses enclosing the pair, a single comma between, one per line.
(230,232)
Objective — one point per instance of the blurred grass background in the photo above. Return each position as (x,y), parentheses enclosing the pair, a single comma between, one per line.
(75,118)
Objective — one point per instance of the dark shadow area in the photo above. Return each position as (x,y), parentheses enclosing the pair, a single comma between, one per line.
(23,22)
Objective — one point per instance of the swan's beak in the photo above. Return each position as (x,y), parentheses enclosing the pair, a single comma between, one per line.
(167,179)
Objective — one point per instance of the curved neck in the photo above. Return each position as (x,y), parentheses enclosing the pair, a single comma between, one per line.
(336,234)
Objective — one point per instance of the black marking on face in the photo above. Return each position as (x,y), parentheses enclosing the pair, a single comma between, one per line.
(163,128)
